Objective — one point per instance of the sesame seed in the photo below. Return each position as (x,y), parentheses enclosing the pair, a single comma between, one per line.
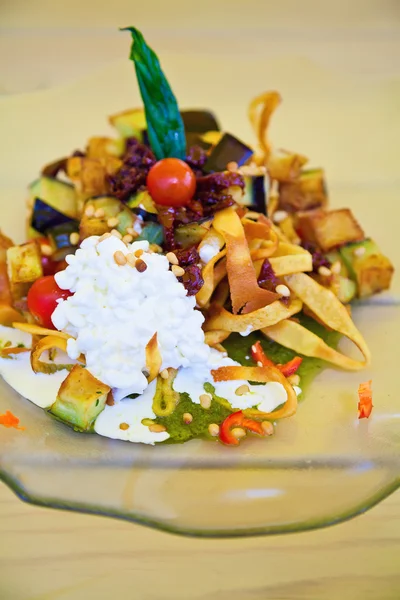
(112,222)
(205,400)
(187,418)
(172,258)
(283,290)
(46,250)
(232,166)
(238,433)
(74,239)
(164,374)
(294,379)
(360,251)
(259,363)
(89,210)
(268,428)
(336,267)
(99,214)
(140,265)
(139,253)
(213,429)
(116,234)
(124,426)
(279,216)
(131,259)
(127,239)
(324,271)
(177,270)
(120,258)
(242,390)
(157,428)
(254,348)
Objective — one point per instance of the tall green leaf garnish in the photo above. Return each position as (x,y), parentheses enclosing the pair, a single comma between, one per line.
(164,122)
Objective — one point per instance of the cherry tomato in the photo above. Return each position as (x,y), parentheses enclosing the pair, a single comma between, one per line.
(42,299)
(171,182)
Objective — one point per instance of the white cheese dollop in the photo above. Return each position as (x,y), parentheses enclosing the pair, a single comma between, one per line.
(115,310)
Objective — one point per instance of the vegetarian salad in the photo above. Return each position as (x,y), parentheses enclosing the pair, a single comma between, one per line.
(178,283)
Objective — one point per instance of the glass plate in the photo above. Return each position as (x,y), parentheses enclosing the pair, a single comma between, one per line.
(323,465)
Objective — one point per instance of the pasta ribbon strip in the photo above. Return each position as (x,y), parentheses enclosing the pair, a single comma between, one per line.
(260,111)
(246,294)
(326,306)
(38,330)
(219,318)
(261,375)
(153,358)
(46,343)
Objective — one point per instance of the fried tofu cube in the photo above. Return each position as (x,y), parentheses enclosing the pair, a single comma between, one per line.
(329,229)
(80,399)
(370,269)
(308,192)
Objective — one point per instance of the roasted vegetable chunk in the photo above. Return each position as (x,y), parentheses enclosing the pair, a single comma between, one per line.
(24,263)
(371,270)
(80,399)
(114,215)
(329,229)
(130,123)
(306,193)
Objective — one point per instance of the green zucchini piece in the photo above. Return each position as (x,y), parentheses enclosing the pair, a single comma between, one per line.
(153,233)
(112,207)
(80,399)
(191,234)
(370,269)
(58,194)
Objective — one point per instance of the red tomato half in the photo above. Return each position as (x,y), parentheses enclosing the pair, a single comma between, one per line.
(42,299)
(171,182)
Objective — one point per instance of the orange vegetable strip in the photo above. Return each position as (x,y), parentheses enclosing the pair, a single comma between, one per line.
(260,112)
(10,420)
(365,400)
(246,294)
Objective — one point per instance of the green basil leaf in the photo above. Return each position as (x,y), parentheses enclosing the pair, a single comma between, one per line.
(165,127)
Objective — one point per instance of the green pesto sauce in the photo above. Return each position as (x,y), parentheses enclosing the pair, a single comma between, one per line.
(238,348)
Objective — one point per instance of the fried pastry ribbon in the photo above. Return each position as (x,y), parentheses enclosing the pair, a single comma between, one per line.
(331,312)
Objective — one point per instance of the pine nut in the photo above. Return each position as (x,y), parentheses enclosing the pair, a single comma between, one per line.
(127,239)
(46,250)
(164,374)
(187,418)
(140,265)
(336,267)
(116,234)
(205,400)
(232,166)
(324,271)
(124,426)
(112,222)
(74,239)
(104,237)
(238,433)
(89,210)
(279,216)
(213,429)
(172,258)
(360,251)
(99,214)
(283,290)
(294,379)
(177,271)
(120,258)
(157,428)
(268,428)
(242,390)
(131,259)
(139,253)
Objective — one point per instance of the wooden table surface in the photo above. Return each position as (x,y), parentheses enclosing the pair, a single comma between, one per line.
(52,555)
